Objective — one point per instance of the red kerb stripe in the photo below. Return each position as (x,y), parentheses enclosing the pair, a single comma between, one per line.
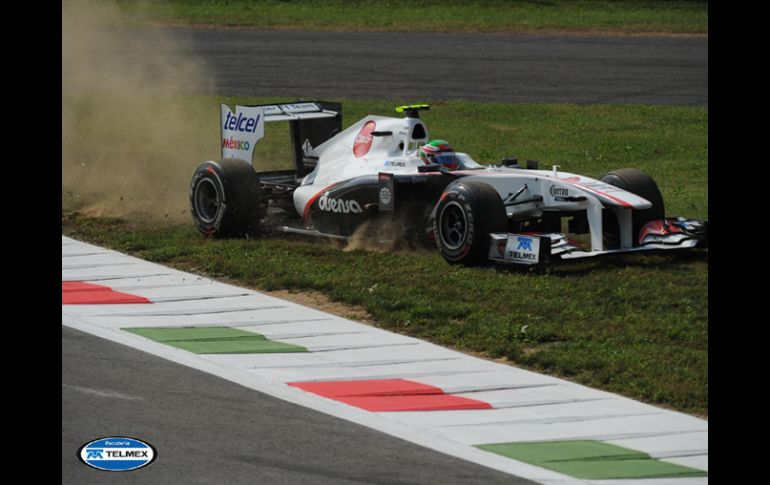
(390,395)
(81,293)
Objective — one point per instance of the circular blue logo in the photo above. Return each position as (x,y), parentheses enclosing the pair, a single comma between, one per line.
(117,454)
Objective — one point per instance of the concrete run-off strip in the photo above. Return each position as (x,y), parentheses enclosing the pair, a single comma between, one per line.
(508,409)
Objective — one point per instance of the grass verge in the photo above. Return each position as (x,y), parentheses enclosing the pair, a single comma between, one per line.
(634,325)
(570,16)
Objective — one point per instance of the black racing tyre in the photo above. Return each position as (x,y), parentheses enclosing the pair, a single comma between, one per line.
(467,212)
(225,199)
(637,182)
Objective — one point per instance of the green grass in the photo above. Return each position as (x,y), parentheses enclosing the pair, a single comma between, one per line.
(434,15)
(634,325)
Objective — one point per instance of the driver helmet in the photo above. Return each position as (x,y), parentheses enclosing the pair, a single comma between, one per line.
(438,152)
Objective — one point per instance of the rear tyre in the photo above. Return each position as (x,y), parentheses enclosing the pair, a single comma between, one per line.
(637,182)
(467,212)
(225,199)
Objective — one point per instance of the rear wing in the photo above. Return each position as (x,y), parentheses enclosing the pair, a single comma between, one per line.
(311,123)
(300,111)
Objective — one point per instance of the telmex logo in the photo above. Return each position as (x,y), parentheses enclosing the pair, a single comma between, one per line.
(525,243)
(339,205)
(517,255)
(117,454)
(241,123)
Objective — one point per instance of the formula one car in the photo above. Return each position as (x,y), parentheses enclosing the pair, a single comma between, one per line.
(384,168)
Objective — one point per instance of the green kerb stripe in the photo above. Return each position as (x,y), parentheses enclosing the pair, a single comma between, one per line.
(215,340)
(592,460)
(169,334)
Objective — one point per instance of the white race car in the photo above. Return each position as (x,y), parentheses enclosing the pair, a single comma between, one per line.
(384,168)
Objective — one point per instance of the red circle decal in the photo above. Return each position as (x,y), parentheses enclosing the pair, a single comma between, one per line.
(364,139)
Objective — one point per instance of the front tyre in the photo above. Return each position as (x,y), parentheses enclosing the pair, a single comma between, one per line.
(225,199)
(467,212)
(637,182)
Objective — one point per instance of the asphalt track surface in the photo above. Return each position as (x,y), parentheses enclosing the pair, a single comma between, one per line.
(413,67)
(209,430)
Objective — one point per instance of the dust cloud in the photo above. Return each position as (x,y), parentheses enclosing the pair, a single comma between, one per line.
(132,132)
(387,235)
(378,235)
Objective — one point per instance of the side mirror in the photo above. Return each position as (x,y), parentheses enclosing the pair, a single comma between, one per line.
(511,162)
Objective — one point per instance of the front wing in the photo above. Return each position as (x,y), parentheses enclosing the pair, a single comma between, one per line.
(675,234)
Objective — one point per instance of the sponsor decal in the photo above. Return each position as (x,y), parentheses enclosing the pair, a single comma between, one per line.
(559,191)
(364,139)
(392,163)
(234,144)
(117,454)
(339,206)
(307,147)
(497,243)
(500,246)
(385,196)
(279,109)
(522,249)
(241,123)
(525,243)
(521,256)
(241,131)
